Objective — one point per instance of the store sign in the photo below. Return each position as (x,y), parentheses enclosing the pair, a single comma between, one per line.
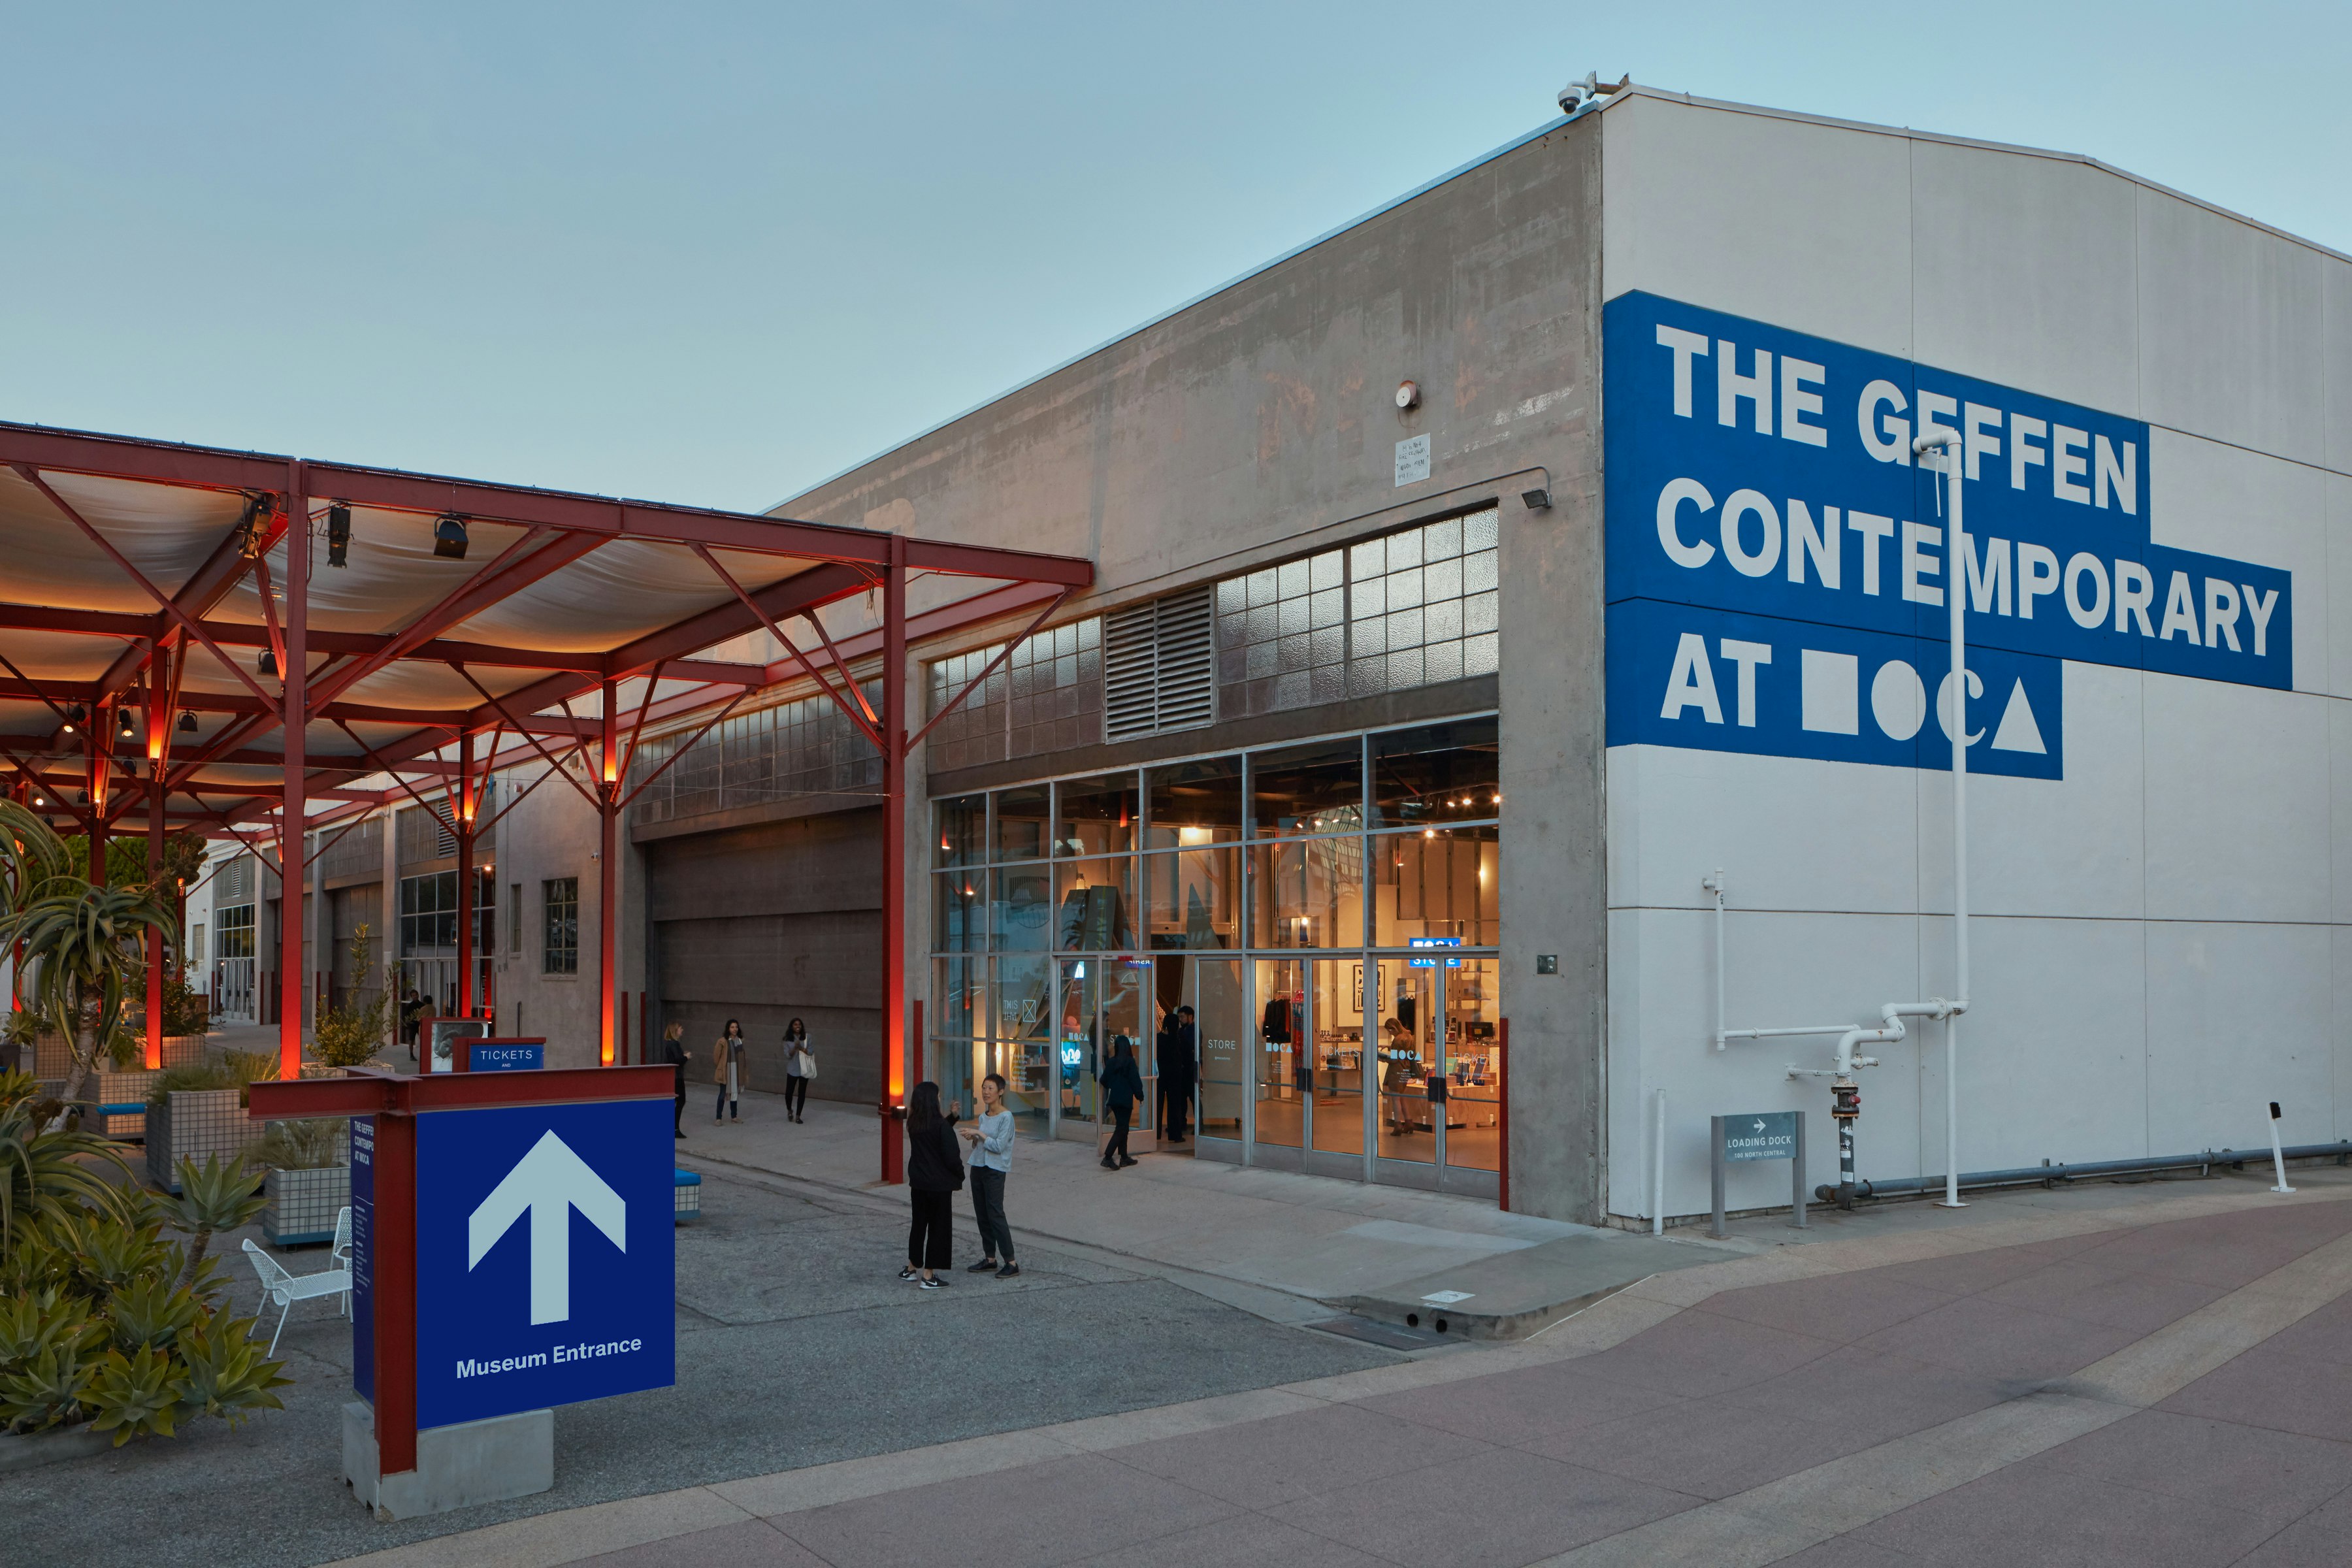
(545,1256)
(1425,942)
(1778,565)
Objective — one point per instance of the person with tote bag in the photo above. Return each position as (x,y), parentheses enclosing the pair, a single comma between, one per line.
(800,1067)
(728,1070)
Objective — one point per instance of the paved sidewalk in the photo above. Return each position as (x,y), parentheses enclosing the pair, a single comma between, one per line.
(1283,1244)
(2162,1378)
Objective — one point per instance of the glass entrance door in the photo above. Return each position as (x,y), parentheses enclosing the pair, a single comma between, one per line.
(1412,1000)
(1279,1081)
(1078,1043)
(1336,1064)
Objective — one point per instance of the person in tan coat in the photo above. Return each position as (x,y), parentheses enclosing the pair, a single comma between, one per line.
(730,1071)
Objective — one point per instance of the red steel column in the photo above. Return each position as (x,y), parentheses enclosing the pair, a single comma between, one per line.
(894,862)
(396,1292)
(159,729)
(463,817)
(95,773)
(291,858)
(608,911)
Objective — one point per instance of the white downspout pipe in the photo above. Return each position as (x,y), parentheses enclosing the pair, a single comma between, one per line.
(1714,885)
(1955,589)
(1658,1168)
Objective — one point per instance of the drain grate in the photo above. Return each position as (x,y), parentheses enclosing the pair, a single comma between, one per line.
(1388,1336)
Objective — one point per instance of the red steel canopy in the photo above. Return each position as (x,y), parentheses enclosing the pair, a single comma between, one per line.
(146,581)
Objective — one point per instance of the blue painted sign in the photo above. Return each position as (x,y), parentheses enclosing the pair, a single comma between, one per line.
(545,1256)
(1778,562)
(1760,1135)
(508,1056)
(1430,962)
(364,1257)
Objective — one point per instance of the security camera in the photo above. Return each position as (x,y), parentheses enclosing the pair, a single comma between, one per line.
(1579,96)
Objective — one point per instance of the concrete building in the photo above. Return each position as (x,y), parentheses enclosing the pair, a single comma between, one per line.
(1479,581)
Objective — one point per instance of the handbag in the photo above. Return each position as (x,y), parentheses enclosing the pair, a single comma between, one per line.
(805,1063)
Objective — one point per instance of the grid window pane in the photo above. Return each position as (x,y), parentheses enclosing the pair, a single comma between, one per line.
(1315,788)
(1194,803)
(560,926)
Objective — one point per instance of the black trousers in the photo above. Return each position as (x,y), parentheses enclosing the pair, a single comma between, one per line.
(677,1117)
(795,1095)
(1175,1110)
(930,1242)
(1120,1116)
(988,1208)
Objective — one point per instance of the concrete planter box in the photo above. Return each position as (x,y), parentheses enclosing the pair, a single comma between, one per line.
(303,1205)
(52,1055)
(192,1124)
(107,1088)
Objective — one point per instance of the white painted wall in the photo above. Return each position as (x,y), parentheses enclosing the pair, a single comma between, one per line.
(2163,939)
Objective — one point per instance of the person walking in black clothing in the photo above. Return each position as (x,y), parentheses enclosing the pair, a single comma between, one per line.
(673,1051)
(934,1175)
(800,1066)
(1178,1067)
(1122,1087)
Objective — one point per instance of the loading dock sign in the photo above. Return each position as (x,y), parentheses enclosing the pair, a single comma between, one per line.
(1778,563)
(1766,1135)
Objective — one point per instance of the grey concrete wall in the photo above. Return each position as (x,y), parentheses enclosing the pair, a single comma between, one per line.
(1261,422)
(768,922)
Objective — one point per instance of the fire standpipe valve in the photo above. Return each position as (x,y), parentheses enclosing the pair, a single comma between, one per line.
(1845,1107)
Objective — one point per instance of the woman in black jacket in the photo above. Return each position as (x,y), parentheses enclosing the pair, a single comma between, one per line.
(934,1173)
(1122,1086)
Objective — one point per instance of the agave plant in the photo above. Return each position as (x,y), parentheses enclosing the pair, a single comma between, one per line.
(217,1196)
(106,1320)
(82,950)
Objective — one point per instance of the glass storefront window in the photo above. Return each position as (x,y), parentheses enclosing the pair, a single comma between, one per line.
(1025,1039)
(1021,818)
(1307,893)
(1316,788)
(1095,816)
(1194,803)
(1438,774)
(1192,900)
(1336,1061)
(1079,1037)
(959,1009)
(1441,883)
(1474,1065)
(1021,910)
(1278,1075)
(963,831)
(1094,904)
(958,908)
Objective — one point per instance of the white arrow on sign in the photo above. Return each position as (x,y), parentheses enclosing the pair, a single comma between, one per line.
(1759,1124)
(548,1183)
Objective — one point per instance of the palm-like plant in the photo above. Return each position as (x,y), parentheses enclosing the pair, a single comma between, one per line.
(81,943)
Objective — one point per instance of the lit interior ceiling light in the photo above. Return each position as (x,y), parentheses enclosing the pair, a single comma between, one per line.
(74,717)
(124,729)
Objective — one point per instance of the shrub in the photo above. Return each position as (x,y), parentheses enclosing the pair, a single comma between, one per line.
(105,1320)
(310,1143)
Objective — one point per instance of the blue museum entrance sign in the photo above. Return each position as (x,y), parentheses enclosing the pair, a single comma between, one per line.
(1777,562)
(544,1256)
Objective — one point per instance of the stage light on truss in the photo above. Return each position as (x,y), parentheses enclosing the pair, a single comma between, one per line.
(449,537)
(124,728)
(75,717)
(339,534)
(187,722)
(269,661)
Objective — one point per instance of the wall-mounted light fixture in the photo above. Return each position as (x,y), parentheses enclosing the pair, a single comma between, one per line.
(1535,499)
(1408,395)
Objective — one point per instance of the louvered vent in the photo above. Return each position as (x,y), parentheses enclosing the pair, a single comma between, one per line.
(1159,666)
(444,842)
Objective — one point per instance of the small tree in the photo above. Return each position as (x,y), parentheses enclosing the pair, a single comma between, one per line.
(354,1032)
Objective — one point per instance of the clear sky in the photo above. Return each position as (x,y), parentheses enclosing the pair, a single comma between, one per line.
(715,253)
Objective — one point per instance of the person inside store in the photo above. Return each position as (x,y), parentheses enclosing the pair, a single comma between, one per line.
(1122,1087)
(1178,1069)
(1396,1075)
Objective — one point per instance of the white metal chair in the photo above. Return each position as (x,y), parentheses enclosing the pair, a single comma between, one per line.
(283,1289)
(341,1251)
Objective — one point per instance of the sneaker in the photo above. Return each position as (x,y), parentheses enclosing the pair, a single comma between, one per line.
(1106,1164)
(983,1266)
(1009,1271)
(908,1272)
(936,1283)
(678,1134)
(1123,1164)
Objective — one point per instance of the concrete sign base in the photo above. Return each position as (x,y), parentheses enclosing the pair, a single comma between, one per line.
(457,1467)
